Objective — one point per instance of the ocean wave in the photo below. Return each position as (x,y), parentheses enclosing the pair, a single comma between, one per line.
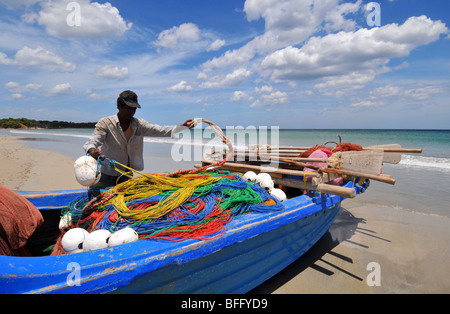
(425,162)
(49,133)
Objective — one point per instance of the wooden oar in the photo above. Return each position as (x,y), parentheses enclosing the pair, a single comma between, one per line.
(389,157)
(383,179)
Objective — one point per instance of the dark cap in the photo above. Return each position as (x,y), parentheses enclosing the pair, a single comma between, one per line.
(130,98)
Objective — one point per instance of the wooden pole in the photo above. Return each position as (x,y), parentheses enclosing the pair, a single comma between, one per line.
(244,168)
(336,190)
(385,149)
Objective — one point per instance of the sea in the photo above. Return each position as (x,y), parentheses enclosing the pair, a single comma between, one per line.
(422,180)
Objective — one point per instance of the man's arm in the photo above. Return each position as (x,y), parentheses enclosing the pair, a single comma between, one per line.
(96,140)
(155,130)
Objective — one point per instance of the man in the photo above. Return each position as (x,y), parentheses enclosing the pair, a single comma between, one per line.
(121,138)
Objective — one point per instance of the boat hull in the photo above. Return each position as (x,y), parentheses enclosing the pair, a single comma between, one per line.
(254,247)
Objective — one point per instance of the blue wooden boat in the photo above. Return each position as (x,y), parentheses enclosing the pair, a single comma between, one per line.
(254,247)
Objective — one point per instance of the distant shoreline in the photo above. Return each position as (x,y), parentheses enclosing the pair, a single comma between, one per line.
(24,123)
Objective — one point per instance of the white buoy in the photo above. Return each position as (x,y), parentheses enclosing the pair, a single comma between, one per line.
(65,221)
(262,176)
(125,235)
(266,184)
(265,181)
(249,176)
(96,240)
(86,171)
(72,241)
(279,194)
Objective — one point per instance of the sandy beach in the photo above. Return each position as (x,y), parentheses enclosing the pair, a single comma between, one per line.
(26,169)
(410,251)
(369,249)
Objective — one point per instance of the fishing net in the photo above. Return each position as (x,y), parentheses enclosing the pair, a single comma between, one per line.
(189,206)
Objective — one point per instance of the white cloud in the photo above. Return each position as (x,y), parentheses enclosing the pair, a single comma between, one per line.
(231,79)
(111,72)
(395,94)
(287,22)
(353,80)
(275,98)
(92,94)
(61,90)
(264,89)
(216,45)
(186,32)
(240,95)
(15,87)
(97,20)
(423,93)
(40,58)
(335,18)
(367,103)
(345,52)
(4,59)
(180,87)
(415,93)
(17,96)
(271,99)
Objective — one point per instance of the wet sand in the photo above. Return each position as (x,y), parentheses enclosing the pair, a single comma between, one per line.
(406,251)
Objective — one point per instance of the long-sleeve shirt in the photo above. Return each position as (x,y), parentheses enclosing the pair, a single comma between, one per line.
(109,137)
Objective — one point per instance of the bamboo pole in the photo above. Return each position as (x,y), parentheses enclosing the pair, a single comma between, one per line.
(268,158)
(388,150)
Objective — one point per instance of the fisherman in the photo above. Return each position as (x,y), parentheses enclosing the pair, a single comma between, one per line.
(120,137)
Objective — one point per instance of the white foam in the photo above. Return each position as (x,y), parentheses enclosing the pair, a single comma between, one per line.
(425,162)
(50,133)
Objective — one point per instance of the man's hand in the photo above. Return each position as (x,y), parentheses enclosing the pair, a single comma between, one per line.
(95,153)
(189,124)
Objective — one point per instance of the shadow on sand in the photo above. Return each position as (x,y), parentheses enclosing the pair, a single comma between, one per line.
(341,230)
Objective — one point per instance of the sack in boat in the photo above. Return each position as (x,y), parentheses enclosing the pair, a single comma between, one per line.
(19,218)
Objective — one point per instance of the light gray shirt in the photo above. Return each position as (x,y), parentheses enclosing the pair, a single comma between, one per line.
(109,137)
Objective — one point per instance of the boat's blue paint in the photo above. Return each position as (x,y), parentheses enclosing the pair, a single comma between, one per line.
(254,248)
(52,199)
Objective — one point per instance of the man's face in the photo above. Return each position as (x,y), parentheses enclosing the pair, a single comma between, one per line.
(127,112)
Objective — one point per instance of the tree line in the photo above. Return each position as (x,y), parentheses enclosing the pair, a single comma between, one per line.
(17,123)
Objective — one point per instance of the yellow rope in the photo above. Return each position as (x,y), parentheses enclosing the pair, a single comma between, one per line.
(304,179)
(148,185)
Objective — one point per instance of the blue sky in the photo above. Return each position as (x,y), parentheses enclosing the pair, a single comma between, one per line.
(290,63)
